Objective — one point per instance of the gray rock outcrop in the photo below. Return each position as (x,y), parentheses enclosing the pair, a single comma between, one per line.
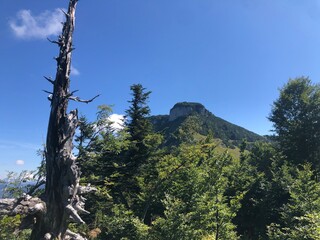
(183,109)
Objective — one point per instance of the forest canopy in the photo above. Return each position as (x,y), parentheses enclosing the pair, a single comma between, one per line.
(190,176)
(199,188)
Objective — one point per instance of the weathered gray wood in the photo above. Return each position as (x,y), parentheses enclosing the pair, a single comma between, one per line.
(63,175)
(62,201)
(25,205)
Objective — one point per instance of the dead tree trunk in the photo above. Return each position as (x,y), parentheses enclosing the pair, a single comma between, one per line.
(63,198)
(62,201)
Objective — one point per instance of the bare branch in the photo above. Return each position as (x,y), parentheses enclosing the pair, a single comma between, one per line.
(49,79)
(55,42)
(66,14)
(70,94)
(47,92)
(73,92)
(74,214)
(80,209)
(77,99)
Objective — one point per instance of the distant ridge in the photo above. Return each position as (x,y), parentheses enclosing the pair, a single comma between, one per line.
(206,122)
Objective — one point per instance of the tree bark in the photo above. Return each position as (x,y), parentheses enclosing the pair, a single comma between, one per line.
(63,199)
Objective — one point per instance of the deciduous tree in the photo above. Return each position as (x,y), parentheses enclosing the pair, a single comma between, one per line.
(295,116)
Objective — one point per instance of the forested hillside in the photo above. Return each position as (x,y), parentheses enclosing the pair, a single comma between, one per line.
(192,189)
(196,121)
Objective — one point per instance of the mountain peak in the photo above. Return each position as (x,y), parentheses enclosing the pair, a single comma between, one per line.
(208,123)
(183,109)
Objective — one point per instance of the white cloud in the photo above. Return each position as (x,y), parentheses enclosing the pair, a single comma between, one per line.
(26,25)
(20,162)
(117,121)
(74,71)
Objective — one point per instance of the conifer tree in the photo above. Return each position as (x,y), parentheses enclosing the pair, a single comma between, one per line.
(300,217)
(138,127)
(136,119)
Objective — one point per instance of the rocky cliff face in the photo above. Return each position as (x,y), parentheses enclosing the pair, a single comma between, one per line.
(186,108)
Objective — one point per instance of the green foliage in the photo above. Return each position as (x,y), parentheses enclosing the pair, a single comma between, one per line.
(8,225)
(100,148)
(120,164)
(15,184)
(295,116)
(123,224)
(191,187)
(137,122)
(200,200)
(176,223)
(268,192)
(307,227)
(143,144)
(188,132)
(207,187)
(300,216)
(9,228)
(204,123)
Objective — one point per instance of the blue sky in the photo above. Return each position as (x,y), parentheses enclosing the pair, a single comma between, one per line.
(231,56)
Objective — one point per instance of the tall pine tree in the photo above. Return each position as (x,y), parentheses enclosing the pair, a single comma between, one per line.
(139,127)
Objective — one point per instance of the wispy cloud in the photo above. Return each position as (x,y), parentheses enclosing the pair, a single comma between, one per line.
(74,71)
(26,25)
(20,162)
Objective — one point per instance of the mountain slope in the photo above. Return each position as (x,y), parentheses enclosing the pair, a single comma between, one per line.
(195,118)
